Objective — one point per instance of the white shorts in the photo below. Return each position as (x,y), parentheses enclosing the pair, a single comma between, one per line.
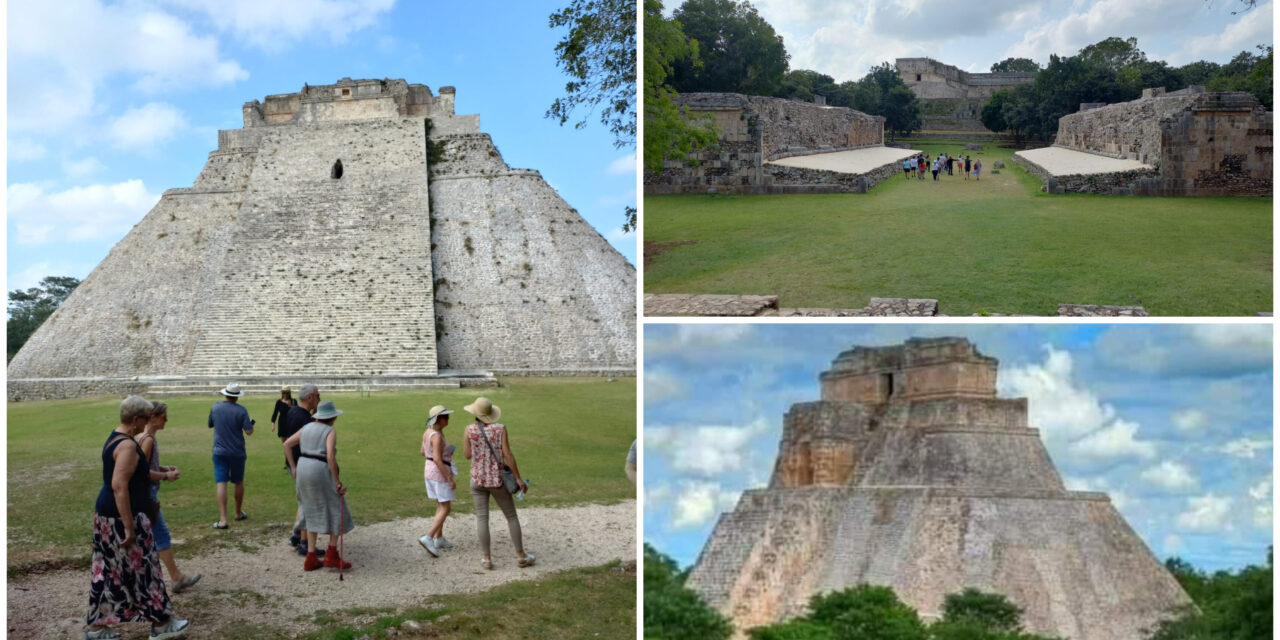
(438,491)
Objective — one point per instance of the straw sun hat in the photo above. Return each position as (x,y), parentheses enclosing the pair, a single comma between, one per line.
(484,411)
(232,390)
(436,412)
(325,411)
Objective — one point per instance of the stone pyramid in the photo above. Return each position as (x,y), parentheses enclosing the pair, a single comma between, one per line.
(359,230)
(911,473)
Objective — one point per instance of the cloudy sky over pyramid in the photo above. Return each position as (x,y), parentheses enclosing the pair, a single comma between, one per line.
(110,104)
(1174,422)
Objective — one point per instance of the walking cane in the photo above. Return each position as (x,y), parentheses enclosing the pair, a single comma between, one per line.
(342,510)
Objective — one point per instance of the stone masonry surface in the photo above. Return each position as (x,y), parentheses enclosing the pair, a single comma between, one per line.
(324,206)
(755,130)
(911,473)
(1200,144)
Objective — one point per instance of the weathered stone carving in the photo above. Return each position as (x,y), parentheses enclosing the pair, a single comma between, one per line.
(911,473)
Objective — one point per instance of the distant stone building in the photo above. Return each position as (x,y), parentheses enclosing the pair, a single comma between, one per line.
(358,232)
(952,99)
(911,473)
(1180,143)
(756,131)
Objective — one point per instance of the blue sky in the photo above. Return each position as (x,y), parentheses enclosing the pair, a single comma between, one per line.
(109,104)
(845,39)
(1173,421)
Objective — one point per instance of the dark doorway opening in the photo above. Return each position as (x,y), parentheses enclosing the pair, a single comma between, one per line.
(337,170)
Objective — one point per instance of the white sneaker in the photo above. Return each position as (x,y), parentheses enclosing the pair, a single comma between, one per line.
(105,633)
(441,543)
(171,629)
(429,544)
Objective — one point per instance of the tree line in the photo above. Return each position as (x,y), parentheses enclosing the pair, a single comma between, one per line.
(1227,606)
(1110,71)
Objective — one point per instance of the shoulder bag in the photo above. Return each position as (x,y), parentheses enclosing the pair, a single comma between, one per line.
(508,478)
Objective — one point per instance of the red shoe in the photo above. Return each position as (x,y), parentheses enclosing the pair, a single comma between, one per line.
(312,562)
(331,559)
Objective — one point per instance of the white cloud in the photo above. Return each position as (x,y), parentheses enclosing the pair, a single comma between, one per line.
(1263,517)
(1172,544)
(696,502)
(33,274)
(147,126)
(1170,475)
(624,166)
(1194,350)
(272,26)
(25,150)
(616,234)
(1143,19)
(1117,440)
(65,53)
(1190,420)
(689,338)
(656,496)
(662,386)
(1251,28)
(99,211)
(83,167)
(708,451)
(1246,448)
(1262,490)
(1206,514)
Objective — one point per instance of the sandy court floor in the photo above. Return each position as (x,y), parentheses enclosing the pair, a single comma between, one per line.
(1066,162)
(268,585)
(855,161)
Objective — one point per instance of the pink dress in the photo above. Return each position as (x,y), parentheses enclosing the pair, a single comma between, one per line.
(430,471)
(484,467)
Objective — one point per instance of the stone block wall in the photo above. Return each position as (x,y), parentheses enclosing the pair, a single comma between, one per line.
(754,130)
(1199,143)
(523,283)
(933,80)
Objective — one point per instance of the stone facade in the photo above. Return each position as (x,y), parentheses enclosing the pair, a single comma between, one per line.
(933,80)
(911,473)
(320,240)
(754,130)
(1201,144)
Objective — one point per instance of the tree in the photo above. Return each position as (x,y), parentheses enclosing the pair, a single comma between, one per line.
(599,55)
(992,116)
(1015,65)
(29,309)
(739,50)
(668,134)
(671,610)
(1198,72)
(1228,606)
(867,611)
(1114,53)
(901,110)
(989,610)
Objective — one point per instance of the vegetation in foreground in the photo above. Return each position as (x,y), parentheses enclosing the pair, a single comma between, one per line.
(994,246)
(1228,606)
(570,435)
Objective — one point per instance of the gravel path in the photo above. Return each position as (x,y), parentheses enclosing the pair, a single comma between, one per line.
(391,569)
(854,161)
(1067,162)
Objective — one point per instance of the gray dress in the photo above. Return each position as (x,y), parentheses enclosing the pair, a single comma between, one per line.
(322,511)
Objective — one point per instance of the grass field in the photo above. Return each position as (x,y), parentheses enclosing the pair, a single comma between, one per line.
(570,436)
(994,246)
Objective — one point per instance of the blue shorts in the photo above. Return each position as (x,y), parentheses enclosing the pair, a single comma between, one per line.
(160,530)
(228,468)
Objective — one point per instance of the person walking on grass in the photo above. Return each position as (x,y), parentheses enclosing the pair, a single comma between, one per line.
(967,167)
(230,423)
(906,168)
(127,584)
(977,169)
(487,447)
(950,162)
(283,405)
(151,452)
(320,492)
(440,475)
(937,166)
(298,417)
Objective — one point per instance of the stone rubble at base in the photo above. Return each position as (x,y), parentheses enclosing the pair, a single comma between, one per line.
(689,304)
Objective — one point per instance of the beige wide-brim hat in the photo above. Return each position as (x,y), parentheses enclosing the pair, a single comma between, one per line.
(286,389)
(484,411)
(436,412)
(232,390)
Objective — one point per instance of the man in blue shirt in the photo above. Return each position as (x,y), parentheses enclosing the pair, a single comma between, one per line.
(230,423)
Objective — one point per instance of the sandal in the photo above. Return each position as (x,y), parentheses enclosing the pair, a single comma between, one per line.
(486,563)
(185,583)
(242,516)
(222,526)
(526,561)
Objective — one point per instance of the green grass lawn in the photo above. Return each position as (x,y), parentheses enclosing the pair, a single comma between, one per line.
(570,436)
(994,246)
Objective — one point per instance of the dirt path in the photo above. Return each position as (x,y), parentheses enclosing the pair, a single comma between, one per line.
(268,586)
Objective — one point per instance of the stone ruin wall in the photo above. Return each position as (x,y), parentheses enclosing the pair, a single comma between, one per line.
(1199,144)
(268,265)
(754,130)
(928,495)
(523,284)
(952,98)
